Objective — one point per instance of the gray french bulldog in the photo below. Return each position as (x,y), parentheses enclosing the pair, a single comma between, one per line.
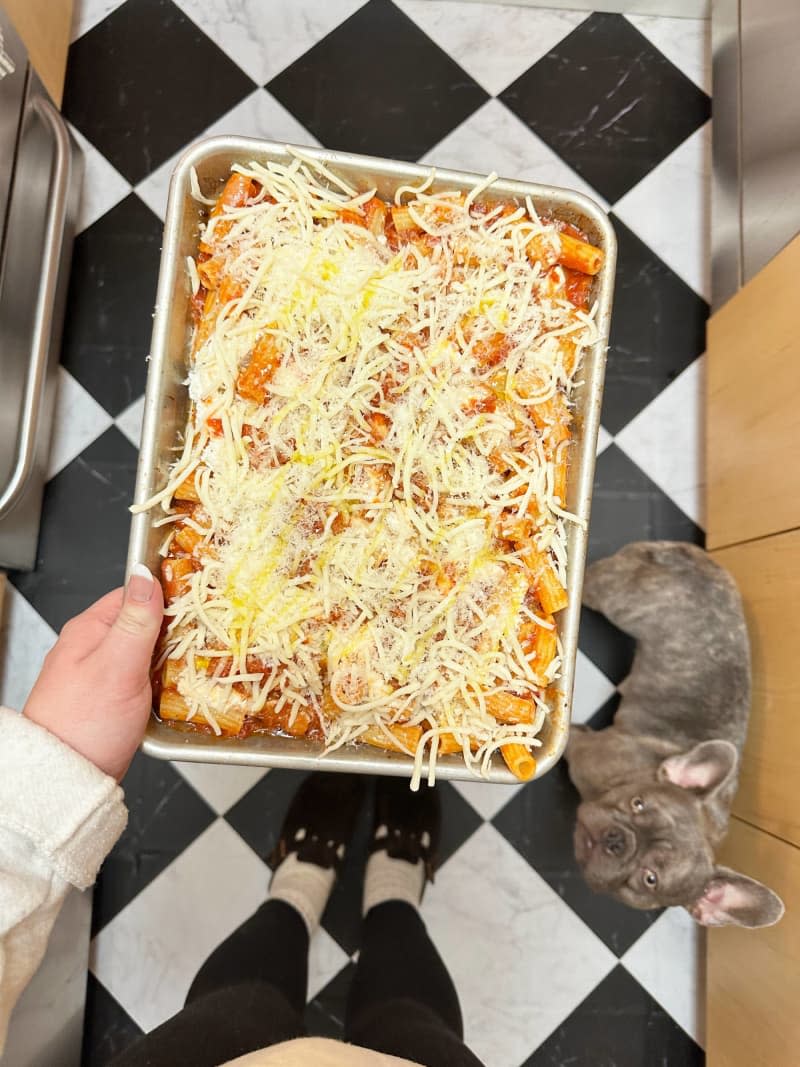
(657,785)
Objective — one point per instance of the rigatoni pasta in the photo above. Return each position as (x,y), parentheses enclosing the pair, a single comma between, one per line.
(365,531)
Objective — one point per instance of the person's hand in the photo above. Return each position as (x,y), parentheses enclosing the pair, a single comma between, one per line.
(94,688)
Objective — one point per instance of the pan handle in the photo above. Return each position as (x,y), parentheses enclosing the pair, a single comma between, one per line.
(43,315)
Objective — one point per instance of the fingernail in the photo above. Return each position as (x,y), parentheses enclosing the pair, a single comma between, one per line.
(140,584)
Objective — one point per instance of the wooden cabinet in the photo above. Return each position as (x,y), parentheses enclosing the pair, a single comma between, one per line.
(44,26)
(753,975)
(753,479)
(753,425)
(768,574)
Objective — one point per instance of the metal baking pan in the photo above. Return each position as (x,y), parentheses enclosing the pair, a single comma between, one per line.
(166,407)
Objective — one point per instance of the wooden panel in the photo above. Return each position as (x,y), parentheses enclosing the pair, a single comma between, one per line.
(768,574)
(753,976)
(753,408)
(44,26)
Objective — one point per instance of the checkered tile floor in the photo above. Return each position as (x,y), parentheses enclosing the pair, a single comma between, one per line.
(615,106)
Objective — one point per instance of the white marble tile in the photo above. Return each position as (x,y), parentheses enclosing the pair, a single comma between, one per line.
(487,798)
(669,960)
(685,42)
(87,13)
(221,786)
(604,439)
(175,922)
(258,115)
(264,38)
(495,43)
(102,187)
(172,926)
(45,1015)
(493,139)
(77,421)
(521,959)
(130,421)
(592,689)
(325,960)
(25,639)
(666,441)
(670,210)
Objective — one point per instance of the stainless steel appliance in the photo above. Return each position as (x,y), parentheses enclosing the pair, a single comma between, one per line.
(756,131)
(39,189)
(166,406)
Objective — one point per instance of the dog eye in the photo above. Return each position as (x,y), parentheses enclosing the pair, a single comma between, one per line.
(637,805)
(650,879)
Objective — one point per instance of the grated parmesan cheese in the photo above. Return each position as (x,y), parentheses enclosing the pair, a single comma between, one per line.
(340,561)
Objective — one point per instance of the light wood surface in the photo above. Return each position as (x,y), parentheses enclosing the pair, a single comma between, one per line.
(753,408)
(753,976)
(44,26)
(768,574)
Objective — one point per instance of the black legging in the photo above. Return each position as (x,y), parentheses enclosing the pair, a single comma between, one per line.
(251,991)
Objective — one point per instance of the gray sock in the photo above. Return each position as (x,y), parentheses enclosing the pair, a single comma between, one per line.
(305,886)
(392,879)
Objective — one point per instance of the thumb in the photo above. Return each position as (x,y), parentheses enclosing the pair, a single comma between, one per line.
(130,641)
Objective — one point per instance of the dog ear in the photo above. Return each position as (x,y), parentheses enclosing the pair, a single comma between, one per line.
(704,769)
(734,899)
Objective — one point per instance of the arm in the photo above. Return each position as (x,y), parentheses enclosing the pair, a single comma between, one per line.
(59,817)
(61,810)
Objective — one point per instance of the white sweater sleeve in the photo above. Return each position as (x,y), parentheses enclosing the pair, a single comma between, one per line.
(59,818)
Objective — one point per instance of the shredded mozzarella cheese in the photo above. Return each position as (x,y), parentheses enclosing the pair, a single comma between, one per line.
(351,562)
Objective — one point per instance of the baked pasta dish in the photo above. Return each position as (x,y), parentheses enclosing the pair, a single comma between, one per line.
(365,523)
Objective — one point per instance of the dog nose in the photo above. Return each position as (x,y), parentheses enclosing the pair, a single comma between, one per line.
(614,841)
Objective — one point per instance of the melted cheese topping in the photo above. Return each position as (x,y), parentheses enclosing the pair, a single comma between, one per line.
(361,572)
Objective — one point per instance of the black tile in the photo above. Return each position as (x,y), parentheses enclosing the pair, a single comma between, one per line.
(604,716)
(342,918)
(627,506)
(84,533)
(607,647)
(377,84)
(259,815)
(145,81)
(110,305)
(658,327)
(609,103)
(325,1013)
(459,821)
(107,1027)
(618,1025)
(166,816)
(538,821)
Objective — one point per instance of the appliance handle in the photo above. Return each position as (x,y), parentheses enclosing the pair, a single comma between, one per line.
(43,316)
